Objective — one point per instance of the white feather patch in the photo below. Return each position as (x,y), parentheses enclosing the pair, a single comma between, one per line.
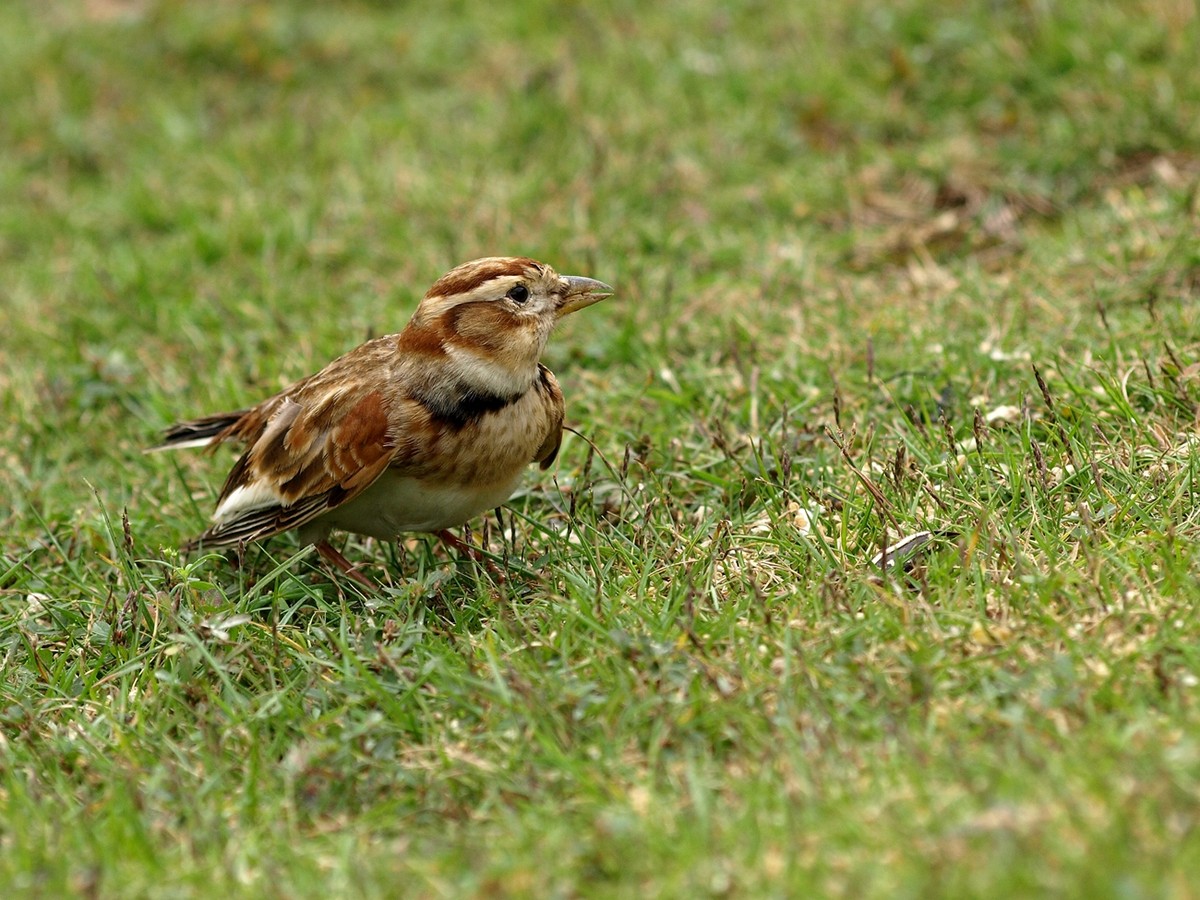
(181,445)
(488,375)
(243,499)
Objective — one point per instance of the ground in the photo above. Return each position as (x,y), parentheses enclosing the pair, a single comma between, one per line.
(882,271)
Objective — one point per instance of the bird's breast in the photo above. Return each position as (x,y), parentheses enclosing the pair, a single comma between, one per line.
(453,473)
(398,503)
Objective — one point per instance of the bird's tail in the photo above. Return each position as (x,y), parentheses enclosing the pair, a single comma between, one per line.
(205,432)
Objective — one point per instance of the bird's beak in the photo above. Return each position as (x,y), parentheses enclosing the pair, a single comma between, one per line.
(582,292)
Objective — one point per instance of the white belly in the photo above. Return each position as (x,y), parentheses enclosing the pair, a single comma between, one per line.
(395,504)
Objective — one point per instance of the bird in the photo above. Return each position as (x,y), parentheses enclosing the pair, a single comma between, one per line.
(416,431)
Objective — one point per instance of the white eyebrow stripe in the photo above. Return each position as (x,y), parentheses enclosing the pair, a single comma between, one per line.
(484,291)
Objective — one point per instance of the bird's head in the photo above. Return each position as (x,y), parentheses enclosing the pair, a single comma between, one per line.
(494,316)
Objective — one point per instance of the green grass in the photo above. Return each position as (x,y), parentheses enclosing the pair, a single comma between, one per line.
(842,236)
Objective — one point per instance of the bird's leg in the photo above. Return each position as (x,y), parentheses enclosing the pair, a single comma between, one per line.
(452,540)
(331,555)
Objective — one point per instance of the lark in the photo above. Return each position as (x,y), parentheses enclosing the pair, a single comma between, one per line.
(418,431)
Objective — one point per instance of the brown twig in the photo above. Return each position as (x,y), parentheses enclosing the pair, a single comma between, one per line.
(866,481)
(1058,425)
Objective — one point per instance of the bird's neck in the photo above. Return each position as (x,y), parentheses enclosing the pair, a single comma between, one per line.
(460,380)
(478,372)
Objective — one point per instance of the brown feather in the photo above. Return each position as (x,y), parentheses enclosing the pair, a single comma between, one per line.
(471,276)
(453,407)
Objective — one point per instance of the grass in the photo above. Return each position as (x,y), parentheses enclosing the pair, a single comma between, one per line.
(881,269)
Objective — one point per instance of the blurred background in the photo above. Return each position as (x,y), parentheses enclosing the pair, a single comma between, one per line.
(205,200)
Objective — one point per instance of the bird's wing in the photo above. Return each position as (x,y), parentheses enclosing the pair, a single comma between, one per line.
(309,459)
(548,385)
(246,426)
(310,449)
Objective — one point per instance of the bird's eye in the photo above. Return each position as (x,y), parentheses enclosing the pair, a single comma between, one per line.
(518,293)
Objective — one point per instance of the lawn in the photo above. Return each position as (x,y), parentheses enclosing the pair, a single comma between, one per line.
(882,270)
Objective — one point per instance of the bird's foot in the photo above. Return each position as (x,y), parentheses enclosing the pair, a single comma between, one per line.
(453,541)
(331,555)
